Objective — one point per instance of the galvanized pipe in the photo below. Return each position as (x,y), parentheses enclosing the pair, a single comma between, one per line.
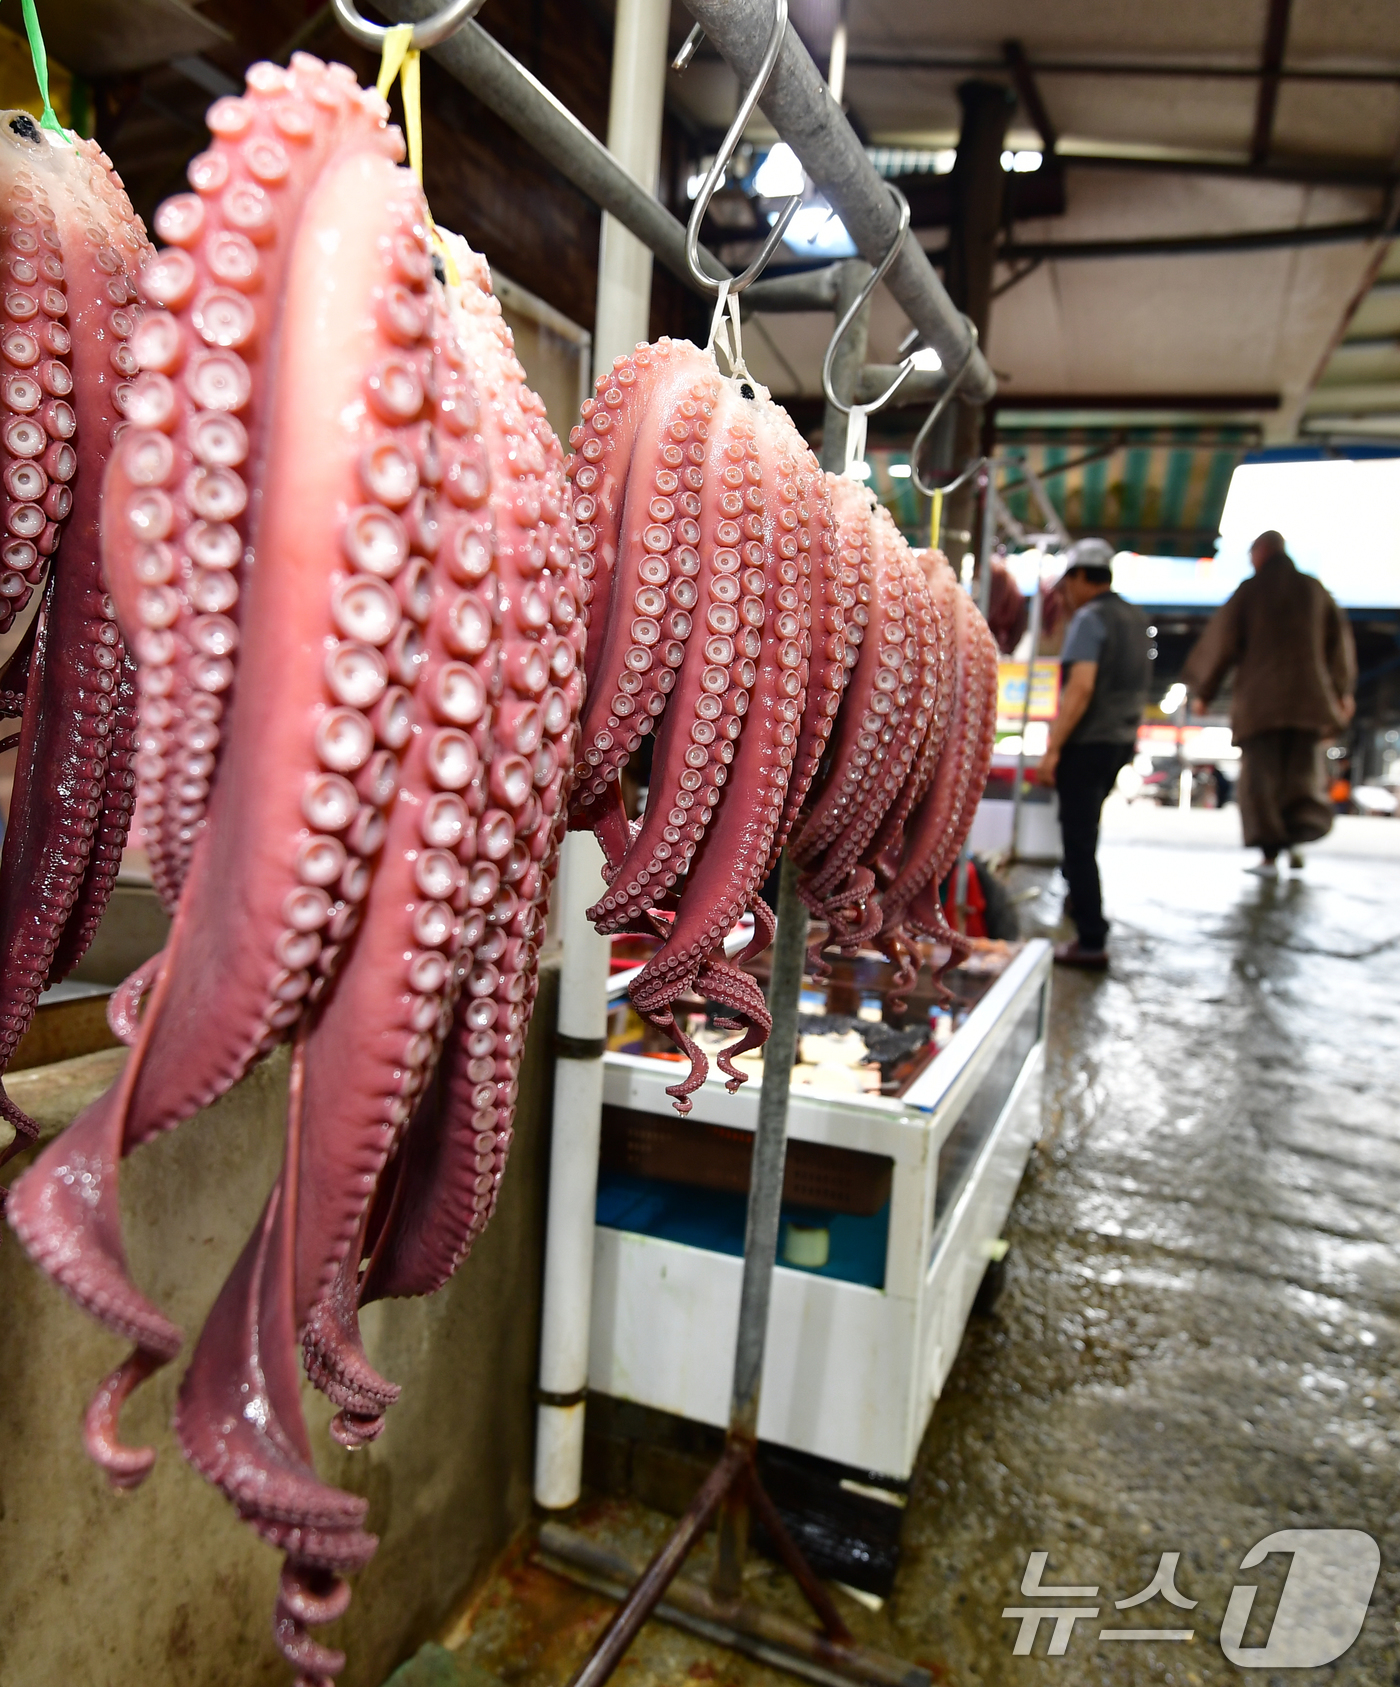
(799,105)
(769,1154)
(808,289)
(504,86)
(765,1205)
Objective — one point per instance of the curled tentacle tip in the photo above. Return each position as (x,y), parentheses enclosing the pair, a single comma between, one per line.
(352,1430)
(310,1595)
(125,1467)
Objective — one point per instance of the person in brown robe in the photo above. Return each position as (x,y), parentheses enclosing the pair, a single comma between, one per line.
(1295,680)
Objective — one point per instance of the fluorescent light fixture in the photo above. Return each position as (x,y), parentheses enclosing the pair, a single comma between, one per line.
(1176,696)
(1022,163)
(859,471)
(900,471)
(780,175)
(927,358)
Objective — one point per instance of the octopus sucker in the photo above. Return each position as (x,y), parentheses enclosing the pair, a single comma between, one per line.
(69,249)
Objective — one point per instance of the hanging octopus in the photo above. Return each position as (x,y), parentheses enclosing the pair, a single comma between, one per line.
(889,708)
(71,249)
(337,533)
(708,552)
(938,824)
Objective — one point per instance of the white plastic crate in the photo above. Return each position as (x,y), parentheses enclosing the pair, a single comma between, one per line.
(851,1373)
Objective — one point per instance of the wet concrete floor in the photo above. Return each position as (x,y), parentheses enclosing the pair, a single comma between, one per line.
(1196,1346)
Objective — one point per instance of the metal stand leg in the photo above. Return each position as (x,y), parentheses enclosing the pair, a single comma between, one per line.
(733,1486)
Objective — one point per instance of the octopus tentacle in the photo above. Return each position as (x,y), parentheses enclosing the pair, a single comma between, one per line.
(630,665)
(884,718)
(836,568)
(124,1004)
(14,676)
(939,825)
(69,239)
(939,657)
(454,1158)
(238,1417)
(912,698)
(371,1046)
(723,878)
(179,562)
(719,981)
(717,671)
(275,884)
(113,826)
(604,442)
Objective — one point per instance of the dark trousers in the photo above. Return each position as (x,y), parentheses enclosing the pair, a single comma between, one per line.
(1083,778)
(1281,796)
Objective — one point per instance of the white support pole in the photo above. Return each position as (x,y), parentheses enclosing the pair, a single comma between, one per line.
(573,1180)
(624,306)
(634,140)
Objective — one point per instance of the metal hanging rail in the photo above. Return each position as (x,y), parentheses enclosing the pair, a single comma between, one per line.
(796,101)
(799,105)
(503,85)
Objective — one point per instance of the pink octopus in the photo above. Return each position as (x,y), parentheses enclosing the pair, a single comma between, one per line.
(337,533)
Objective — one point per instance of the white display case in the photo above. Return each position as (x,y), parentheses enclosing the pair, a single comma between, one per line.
(852,1369)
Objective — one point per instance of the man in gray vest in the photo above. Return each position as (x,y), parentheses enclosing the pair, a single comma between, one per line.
(1105,672)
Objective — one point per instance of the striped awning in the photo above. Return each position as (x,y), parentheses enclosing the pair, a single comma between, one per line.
(1151,489)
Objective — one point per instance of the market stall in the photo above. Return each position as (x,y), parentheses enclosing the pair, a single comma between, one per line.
(892,1212)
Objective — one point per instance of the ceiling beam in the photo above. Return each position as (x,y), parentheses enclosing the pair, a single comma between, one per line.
(1266,103)
(1192,245)
(961,64)
(1029,95)
(1185,403)
(1313,172)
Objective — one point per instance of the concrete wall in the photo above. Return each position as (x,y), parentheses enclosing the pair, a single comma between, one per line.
(165,1585)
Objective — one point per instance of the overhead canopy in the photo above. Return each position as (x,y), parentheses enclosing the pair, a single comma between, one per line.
(1243,118)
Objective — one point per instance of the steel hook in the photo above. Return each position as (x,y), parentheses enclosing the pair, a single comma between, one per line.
(722,161)
(876,276)
(944,398)
(431,32)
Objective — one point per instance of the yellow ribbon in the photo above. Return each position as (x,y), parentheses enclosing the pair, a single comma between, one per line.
(400,58)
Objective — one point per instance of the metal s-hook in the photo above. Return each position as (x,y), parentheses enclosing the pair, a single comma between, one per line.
(722,161)
(431,32)
(689,47)
(863,298)
(944,399)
